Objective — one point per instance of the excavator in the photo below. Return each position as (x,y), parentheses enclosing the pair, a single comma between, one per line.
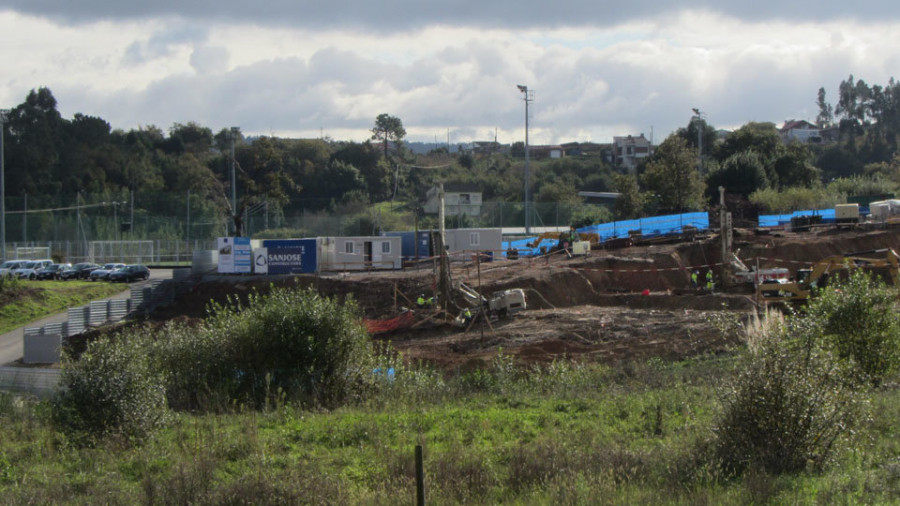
(882,262)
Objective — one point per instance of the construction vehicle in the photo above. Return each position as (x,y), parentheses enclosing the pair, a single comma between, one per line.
(744,274)
(502,303)
(883,262)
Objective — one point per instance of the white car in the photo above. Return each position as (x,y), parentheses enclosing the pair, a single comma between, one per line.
(8,266)
(29,270)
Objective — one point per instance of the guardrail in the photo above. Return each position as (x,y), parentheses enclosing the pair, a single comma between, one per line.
(42,345)
(37,381)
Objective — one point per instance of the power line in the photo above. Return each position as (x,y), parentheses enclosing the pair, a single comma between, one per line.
(85,206)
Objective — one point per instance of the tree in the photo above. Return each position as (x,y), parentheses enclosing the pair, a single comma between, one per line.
(794,166)
(388,128)
(763,138)
(672,177)
(630,201)
(742,173)
(825,117)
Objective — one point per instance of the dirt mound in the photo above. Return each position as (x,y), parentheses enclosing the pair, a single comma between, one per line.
(590,308)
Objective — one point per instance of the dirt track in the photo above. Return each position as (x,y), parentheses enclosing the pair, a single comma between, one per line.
(588,308)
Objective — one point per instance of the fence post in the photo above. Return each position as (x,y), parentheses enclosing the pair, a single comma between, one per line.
(420,477)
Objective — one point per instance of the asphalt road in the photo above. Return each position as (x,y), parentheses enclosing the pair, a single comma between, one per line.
(11,343)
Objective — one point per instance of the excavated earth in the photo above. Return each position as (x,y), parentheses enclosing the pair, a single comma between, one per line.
(623,304)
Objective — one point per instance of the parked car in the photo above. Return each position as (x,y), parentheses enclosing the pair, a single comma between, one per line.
(52,271)
(130,273)
(29,270)
(103,272)
(8,266)
(78,271)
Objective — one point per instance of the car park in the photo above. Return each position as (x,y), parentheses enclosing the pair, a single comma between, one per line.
(130,273)
(52,271)
(78,271)
(103,272)
(29,270)
(8,266)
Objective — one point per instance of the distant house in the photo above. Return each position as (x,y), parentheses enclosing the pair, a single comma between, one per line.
(460,199)
(488,147)
(539,152)
(629,151)
(801,131)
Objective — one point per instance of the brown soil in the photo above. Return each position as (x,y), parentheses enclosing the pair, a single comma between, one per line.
(589,308)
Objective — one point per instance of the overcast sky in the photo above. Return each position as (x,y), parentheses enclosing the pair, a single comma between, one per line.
(305,69)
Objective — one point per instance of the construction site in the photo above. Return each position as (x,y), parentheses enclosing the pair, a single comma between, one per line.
(604,305)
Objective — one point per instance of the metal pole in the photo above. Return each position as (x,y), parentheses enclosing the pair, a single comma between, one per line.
(527,167)
(3,113)
(234,210)
(187,228)
(25,220)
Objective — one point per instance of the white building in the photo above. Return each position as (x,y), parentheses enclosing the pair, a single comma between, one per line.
(459,200)
(801,131)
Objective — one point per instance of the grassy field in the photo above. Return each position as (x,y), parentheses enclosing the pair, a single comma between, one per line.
(567,434)
(22,302)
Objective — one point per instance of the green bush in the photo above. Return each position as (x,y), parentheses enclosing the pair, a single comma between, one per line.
(857,318)
(111,389)
(292,344)
(787,406)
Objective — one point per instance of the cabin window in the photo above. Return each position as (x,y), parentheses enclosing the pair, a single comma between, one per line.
(348,247)
(386,248)
(474,239)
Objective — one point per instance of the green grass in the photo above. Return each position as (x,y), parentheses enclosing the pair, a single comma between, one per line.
(583,435)
(29,301)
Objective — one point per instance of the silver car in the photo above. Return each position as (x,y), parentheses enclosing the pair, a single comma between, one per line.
(29,270)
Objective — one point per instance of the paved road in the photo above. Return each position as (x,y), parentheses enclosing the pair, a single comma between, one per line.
(11,347)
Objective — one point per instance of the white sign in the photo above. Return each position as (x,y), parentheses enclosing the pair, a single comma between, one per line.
(225,245)
(261,261)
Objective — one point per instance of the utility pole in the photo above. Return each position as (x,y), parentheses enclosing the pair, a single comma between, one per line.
(187,228)
(529,97)
(234,209)
(444,281)
(3,114)
(725,231)
(700,127)
(25,221)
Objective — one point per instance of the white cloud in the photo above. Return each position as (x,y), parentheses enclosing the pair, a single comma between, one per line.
(590,81)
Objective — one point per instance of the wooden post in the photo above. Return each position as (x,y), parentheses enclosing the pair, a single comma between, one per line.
(420,477)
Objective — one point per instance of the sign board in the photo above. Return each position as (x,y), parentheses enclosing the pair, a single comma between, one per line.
(261,261)
(234,255)
(292,256)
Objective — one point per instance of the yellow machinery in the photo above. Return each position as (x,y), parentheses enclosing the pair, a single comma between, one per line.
(884,262)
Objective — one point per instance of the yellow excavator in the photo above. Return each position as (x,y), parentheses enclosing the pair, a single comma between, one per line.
(881,262)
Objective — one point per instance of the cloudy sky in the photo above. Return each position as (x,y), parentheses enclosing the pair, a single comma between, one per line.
(305,69)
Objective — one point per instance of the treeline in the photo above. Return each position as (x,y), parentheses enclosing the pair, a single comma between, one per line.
(81,161)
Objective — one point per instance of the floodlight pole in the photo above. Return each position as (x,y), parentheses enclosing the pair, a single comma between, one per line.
(528,98)
(698,115)
(3,113)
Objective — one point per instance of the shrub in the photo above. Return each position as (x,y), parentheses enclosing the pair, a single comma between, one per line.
(858,321)
(787,406)
(111,389)
(291,343)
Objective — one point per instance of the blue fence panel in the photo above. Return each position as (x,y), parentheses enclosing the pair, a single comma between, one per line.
(780,220)
(648,227)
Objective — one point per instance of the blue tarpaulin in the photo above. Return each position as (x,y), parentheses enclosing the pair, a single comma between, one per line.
(780,220)
(648,227)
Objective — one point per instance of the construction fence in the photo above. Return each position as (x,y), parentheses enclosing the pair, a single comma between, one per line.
(124,216)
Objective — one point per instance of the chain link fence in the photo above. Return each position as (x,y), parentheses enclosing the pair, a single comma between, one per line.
(178,224)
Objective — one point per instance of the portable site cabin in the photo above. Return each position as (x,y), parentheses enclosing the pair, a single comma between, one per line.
(413,245)
(462,243)
(359,253)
